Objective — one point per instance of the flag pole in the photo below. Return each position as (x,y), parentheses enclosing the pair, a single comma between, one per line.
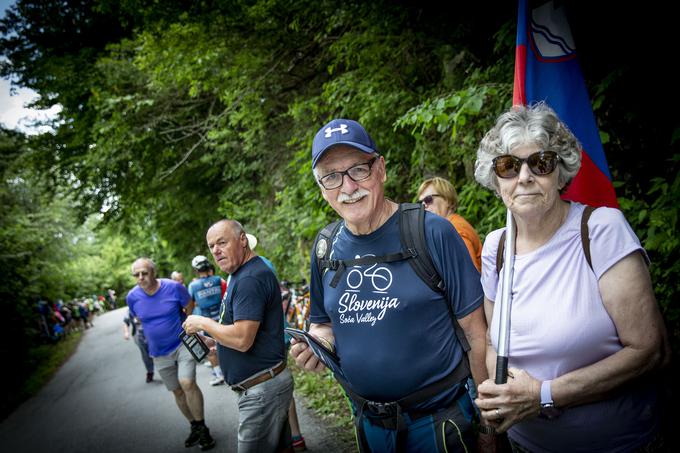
(506,301)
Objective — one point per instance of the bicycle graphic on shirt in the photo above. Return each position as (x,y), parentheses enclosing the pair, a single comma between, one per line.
(381,278)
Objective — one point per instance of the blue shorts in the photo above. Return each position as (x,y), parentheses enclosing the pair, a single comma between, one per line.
(445,430)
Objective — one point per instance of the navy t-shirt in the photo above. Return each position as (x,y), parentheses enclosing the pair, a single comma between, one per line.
(253,294)
(393,334)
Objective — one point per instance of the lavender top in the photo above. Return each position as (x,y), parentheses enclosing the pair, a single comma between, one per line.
(559,324)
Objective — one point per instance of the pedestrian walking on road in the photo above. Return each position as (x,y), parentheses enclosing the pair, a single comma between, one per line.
(159,304)
(133,327)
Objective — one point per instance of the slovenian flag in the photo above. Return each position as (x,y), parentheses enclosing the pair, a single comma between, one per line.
(546,69)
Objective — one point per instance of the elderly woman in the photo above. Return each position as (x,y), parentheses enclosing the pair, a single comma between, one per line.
(583,338)
(440,197)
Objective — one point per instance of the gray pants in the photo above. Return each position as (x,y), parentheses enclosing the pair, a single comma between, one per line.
(263,415)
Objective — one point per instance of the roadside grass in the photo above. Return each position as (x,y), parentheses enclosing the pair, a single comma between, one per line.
(42,362)
(324,395)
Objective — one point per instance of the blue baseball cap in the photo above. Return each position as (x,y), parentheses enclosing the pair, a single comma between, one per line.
(341,132)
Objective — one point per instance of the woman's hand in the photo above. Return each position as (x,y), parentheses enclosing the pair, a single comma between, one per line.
(501,406)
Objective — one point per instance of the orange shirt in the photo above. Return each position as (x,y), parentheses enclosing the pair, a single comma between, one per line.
(470,237)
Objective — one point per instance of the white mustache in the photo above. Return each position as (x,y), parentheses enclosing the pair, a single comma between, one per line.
(359,193)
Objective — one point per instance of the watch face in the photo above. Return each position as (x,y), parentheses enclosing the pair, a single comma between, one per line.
(550,412)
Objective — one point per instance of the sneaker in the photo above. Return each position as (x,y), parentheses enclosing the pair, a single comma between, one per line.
(299,444)
(194,436)
(205,439)
(218,380)
(149,377)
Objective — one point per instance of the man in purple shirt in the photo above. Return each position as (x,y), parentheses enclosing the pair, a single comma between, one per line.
(161,305)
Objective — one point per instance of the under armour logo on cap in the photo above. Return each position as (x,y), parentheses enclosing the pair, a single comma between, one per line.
(342,129)
(341,132)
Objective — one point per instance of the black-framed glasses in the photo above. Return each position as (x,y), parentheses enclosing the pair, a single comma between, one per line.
(356,173)
(140,273)
(540,163)
(429,199)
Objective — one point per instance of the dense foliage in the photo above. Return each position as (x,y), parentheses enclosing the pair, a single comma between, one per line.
(177,113)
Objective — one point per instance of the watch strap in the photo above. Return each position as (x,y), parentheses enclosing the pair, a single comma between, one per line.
(546,393)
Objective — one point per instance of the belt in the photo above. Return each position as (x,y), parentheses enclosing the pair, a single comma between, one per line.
(260,378)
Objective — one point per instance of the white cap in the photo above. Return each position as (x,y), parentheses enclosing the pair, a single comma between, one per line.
(252,241)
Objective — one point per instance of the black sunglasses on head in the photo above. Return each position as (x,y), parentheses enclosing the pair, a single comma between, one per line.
(540,163)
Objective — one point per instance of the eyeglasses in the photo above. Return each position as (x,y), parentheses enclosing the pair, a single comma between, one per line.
(429,199)
(356,173)
(541,163)
(140,273)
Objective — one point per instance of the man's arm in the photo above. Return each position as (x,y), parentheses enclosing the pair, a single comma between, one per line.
(239,336)
(491,353)
(189,308)
(474,326)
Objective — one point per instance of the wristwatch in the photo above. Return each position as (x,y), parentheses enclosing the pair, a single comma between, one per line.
(548,409)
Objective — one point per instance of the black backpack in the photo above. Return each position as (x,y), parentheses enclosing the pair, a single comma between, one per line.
(412,235)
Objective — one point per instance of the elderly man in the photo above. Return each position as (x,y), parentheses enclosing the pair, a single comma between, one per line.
(404,367)
(159,304)
(250,341)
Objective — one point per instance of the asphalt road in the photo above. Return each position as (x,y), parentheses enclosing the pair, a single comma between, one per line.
(99,402)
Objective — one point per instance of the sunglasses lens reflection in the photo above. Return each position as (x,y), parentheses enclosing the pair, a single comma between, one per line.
(541,163)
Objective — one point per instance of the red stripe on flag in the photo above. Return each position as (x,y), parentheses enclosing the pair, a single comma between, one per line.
(591,186)
(519,94)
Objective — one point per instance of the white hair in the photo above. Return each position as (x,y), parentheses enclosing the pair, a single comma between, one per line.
(536,124)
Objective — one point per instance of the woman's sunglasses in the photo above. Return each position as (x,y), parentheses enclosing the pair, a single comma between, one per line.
(541,163)
(428,200)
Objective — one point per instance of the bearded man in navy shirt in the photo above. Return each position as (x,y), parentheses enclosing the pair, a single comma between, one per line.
(395,338)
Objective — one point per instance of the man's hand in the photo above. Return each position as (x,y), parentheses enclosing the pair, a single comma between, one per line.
(193,324)
(304,357)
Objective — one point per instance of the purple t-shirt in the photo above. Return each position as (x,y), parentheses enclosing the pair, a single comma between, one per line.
(161,315)
(559,324)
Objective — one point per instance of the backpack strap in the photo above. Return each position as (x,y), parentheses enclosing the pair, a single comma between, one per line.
(585,234)
(412,232)
(585,240)
(499,253)
(322,247)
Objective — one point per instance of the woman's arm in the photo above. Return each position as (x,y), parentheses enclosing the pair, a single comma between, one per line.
(628,298)
(627,295)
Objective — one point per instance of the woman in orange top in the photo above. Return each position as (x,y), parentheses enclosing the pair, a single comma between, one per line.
(440,197)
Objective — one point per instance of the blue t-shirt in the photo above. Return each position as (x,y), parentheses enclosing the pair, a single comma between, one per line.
(160,314)
(393,334)
(253,294)
(207,293)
